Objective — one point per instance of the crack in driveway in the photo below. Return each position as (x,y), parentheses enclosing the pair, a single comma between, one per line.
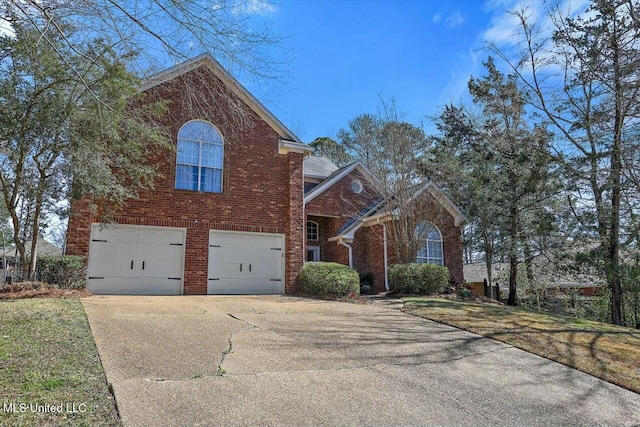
(221,371)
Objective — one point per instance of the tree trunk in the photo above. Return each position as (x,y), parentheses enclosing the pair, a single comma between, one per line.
(528,258)
(615,282)
(513,257)
(488,261)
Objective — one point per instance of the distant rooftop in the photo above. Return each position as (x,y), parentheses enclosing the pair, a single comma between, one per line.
(43,248)
(318,167)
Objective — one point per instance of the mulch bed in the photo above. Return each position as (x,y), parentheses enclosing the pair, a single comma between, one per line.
(39,290)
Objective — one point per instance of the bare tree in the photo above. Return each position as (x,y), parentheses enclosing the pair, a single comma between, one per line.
(585,81)
(158,32)
(392,150)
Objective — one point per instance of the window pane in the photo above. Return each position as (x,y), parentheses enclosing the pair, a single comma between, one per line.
(188,152)
(189,131)
(422,252)
(212,156)
(433,233)
(187,177)
(431,249)
(211,180)
(435,249)
(312,230)
(200,131)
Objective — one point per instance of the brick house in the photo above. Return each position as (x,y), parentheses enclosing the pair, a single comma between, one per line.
(237,209)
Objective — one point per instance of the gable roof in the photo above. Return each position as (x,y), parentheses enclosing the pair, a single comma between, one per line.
(337,176)
(439,195)
(288,140)
(318,167)
(348,229)
(376,212)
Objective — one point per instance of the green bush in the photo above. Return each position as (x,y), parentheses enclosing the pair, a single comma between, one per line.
(328,278)
(418,279)
(66,271)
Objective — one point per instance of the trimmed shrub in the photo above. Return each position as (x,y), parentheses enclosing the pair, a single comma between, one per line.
(328,278)
(66,271)
(418,279)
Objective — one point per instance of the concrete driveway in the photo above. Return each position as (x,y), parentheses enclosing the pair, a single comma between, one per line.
(207,361)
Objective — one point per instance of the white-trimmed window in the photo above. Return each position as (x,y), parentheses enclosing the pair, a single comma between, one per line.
(313,253)
(430,248)
(200,157)
(312,230)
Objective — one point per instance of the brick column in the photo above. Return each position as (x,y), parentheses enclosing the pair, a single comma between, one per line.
(79,228)
(295,222)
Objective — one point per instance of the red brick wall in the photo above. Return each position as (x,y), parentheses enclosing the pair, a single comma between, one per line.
(295,249)
(375,254)
(262,190)
(451,244)
(339,201)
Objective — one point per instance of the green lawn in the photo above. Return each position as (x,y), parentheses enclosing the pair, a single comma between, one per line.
(602,350)
(48,358)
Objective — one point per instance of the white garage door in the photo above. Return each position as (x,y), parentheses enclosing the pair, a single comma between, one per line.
(245,263)
(141,260)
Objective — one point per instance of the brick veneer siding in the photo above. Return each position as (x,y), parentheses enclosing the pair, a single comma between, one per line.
(451,239)
(339,201)
(295,249)
(262,190)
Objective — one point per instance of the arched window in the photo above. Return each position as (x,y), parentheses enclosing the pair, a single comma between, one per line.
(430,248)
(200,157)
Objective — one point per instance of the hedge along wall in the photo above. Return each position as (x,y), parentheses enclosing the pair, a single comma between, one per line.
(328,278)
(419,279)
(66,271)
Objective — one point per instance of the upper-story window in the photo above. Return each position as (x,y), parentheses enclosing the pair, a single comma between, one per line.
(200,157)
(430,248)
(312,230)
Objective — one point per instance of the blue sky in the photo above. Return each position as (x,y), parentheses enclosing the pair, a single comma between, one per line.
(345,55)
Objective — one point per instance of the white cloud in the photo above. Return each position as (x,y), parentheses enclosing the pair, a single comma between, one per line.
(502,31)
(455,19)
(505,26)
(456,91)
(254,7)
(452,20)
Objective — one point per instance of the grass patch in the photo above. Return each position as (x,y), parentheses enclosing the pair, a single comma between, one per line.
(48,358)
(602,350)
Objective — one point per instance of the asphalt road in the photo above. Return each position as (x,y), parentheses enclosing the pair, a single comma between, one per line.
(279,361)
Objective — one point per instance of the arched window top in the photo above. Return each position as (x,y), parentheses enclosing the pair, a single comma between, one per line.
(426,230)
(200,131)
(200,157)
(430,244)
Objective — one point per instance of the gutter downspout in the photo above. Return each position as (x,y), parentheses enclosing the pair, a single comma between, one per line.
(386,257)
(350,252)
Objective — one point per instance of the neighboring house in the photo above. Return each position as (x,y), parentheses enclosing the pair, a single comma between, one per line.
(9,255)
(546,275)
(233,212)
(43,248)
